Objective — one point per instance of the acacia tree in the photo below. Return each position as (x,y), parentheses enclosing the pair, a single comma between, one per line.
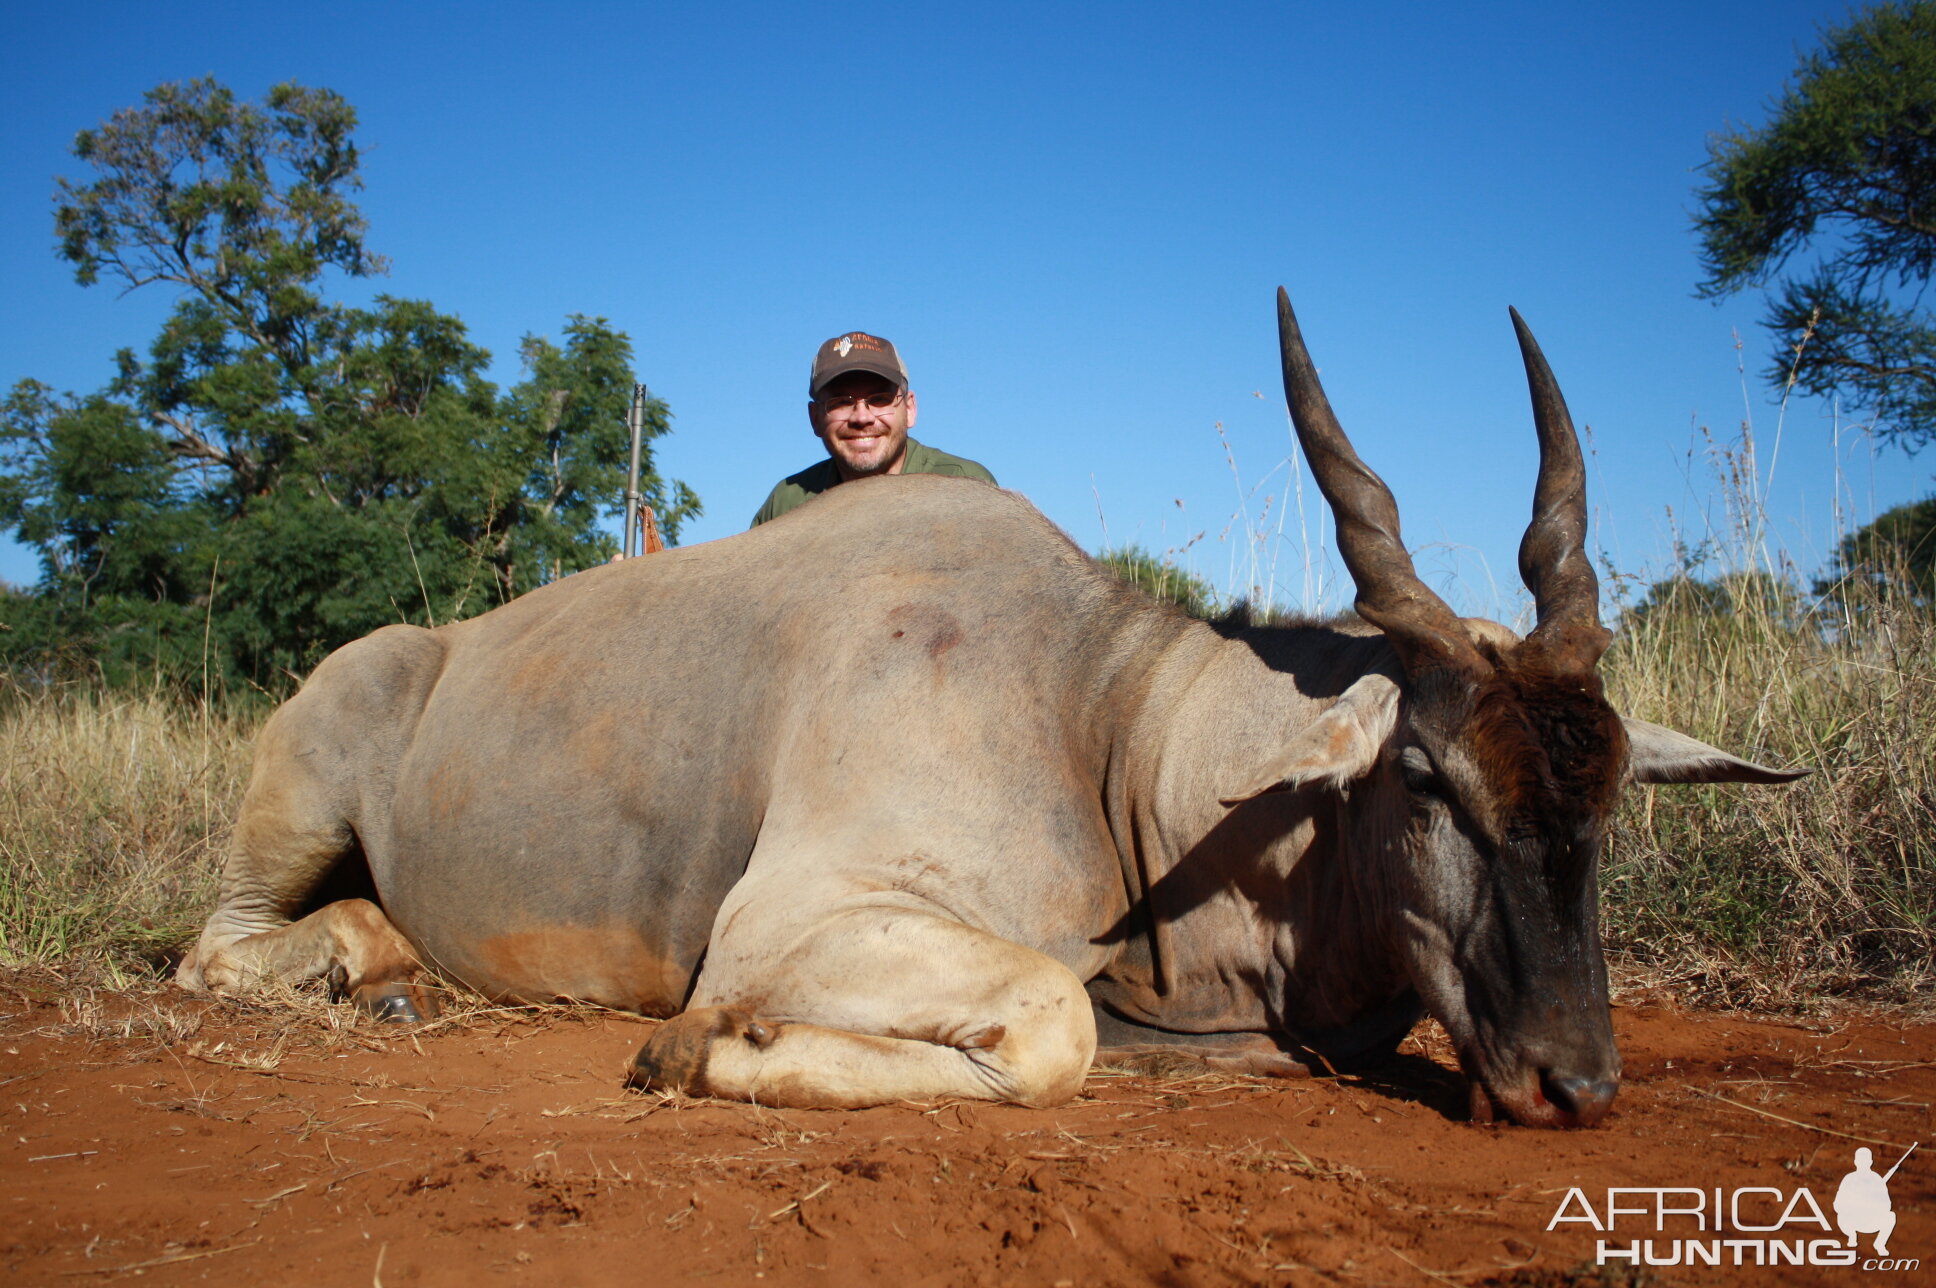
(282,473)
(1842,176)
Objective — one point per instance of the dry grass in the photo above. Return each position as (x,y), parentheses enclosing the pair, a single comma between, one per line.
(254,1033)
(86,1014)
(1761,896)
(1779,897)
(114,809)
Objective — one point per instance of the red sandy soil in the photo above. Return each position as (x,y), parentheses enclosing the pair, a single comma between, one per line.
(186,1141)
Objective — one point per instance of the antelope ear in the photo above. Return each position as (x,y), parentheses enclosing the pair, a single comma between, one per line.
(1339,746)
(1660,755)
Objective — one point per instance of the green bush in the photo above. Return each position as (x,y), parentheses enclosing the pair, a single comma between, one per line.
(1161,578)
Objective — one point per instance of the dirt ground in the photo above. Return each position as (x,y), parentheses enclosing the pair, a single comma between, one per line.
(148,1134)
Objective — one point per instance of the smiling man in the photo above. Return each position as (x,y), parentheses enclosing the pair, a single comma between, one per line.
(861,410)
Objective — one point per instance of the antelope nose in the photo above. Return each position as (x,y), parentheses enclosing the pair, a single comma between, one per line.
(1586,1100)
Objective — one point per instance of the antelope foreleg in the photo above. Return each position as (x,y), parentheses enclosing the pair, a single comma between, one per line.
(349,942)
(878,1006)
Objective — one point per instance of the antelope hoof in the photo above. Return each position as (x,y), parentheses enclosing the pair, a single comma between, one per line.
(395,1003)
(677,1054)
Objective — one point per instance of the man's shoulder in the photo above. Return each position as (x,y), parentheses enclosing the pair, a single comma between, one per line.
(794,489)
(813,480)
(922,459)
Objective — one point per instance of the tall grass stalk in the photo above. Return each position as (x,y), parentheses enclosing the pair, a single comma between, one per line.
(114,809)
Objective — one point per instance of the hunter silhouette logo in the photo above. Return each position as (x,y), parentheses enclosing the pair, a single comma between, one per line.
(1862,1202)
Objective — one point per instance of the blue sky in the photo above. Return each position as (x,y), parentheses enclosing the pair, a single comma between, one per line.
(1070,218)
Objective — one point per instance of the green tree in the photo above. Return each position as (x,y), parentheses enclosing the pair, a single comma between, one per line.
(1844,171)
(1162,579)
(1896,553)
(283,473)
(1684,598)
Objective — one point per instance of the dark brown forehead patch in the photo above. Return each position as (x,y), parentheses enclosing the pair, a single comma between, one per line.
(1548,744)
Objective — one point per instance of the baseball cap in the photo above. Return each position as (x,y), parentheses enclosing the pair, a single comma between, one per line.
(855,351)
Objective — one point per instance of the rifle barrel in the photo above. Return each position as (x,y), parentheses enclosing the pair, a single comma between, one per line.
(635,422)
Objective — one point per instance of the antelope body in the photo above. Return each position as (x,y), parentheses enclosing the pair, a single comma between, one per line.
(903,796)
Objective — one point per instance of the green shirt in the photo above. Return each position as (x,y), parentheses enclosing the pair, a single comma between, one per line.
(794,489)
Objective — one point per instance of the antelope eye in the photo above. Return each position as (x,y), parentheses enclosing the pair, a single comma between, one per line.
(1420,780)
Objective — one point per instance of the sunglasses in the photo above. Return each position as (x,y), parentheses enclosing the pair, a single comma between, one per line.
(847,402)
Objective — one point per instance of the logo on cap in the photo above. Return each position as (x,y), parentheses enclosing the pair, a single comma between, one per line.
(846,345)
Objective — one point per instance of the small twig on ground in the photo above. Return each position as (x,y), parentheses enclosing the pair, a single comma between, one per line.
(163,1261)
(375,1167)
(1443,1276)
(277,1196)
(813,1194)
(1867,1140)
